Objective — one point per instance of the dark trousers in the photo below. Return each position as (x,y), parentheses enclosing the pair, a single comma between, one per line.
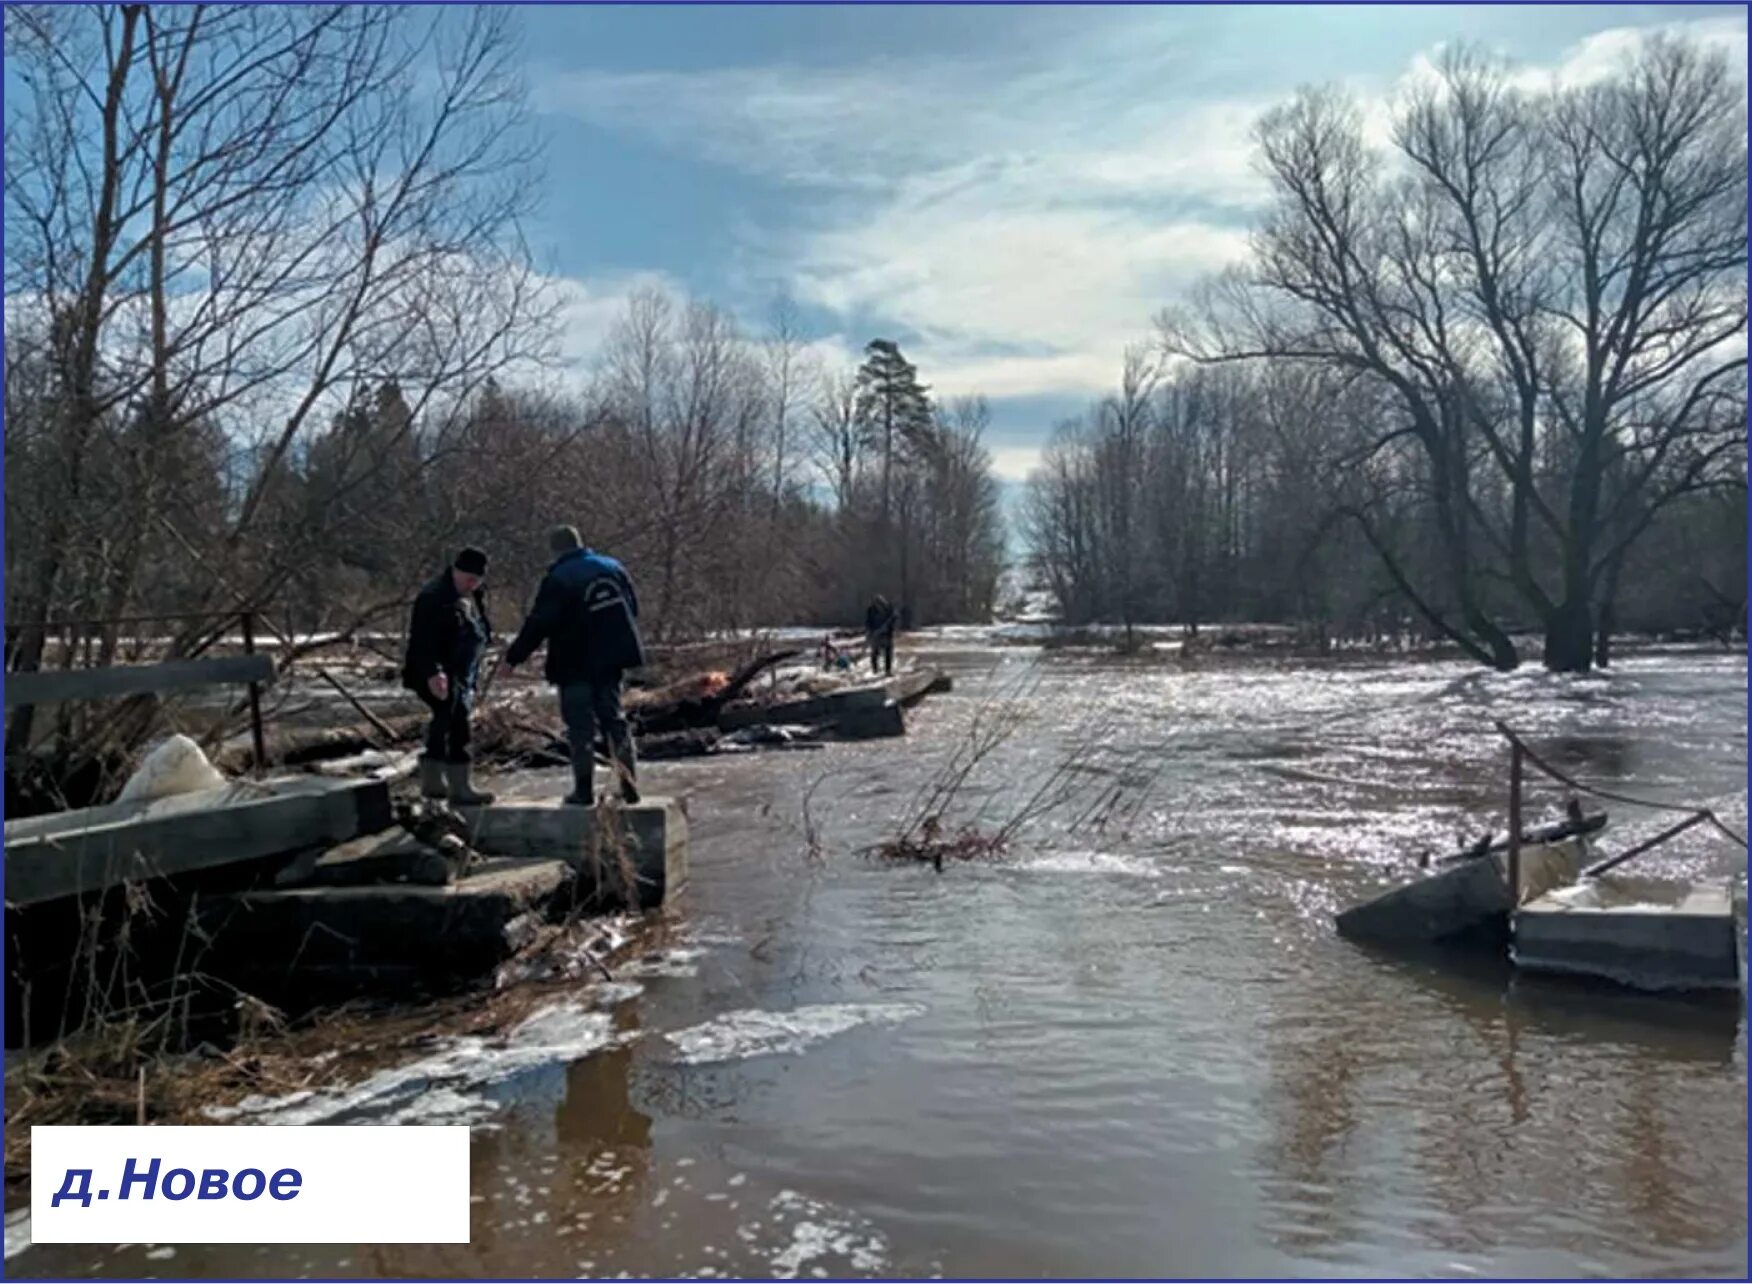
(586,706)
(448,736)
(882,653)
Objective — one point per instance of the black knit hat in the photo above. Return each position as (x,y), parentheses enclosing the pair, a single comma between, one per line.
(471,561)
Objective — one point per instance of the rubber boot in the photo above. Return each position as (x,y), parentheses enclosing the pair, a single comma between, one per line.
(462,790)
(432,779)
(624,772)
(582,778)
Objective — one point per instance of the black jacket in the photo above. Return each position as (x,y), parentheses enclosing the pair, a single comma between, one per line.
(588,614)
(446,635)
(881,620)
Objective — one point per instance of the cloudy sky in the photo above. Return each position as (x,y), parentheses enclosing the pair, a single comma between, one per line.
(1009,192)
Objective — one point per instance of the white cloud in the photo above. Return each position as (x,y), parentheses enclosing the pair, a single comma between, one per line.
(1602,53)
(588,309)
(1019,220)
(1010,216)
(1014,463)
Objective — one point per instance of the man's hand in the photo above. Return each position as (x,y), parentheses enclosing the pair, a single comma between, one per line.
(439,685)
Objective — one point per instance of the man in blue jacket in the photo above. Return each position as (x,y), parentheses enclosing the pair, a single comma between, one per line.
(588,614)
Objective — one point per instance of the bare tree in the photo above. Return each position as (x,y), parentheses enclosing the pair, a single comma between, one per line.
(1549,288)
(246,215)
(839,446)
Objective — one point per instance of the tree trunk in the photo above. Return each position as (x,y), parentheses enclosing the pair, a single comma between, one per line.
(1608,617)
(1569,637)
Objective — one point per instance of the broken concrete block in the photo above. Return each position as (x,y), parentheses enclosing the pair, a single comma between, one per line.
(606,846)
(1470,894)
(1646,933)
(457,931)
(394,856)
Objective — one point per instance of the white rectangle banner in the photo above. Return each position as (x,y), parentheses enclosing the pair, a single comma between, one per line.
(347,1184)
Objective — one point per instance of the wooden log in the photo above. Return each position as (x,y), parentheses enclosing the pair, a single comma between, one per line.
(378,764)
(682,706)
(295,746)
(58,685)
(382,728)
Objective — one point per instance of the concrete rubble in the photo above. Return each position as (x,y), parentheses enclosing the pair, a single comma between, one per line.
(320,884)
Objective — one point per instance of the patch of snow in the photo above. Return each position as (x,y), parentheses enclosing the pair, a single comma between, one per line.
(448,1085)
(678,962)
(736,1036)
(17,1231)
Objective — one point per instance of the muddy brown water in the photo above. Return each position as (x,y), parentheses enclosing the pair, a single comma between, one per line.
(1131,1048)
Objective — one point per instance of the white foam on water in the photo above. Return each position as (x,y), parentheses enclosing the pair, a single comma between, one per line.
(446,1086)
(17,1231)
(821,1233)
(736,1036)
(614,993)
(678,962)
(1088,862)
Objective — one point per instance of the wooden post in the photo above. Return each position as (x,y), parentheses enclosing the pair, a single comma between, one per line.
(255,700)
(1515,754)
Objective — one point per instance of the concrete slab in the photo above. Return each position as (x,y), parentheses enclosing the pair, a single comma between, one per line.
(393,856)
(652,837)
(907,689)
(442,932)
(881,722)
(1470,894)
(1646,933)
(75,852)
(826,708)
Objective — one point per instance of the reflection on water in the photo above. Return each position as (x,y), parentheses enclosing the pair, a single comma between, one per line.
(1135,1046)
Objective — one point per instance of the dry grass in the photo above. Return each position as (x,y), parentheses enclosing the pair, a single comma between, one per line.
(124,1072)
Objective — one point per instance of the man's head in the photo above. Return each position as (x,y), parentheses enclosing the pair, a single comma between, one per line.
(469,569)
(563,540)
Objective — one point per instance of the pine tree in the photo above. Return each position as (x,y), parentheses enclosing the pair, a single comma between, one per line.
(894,410)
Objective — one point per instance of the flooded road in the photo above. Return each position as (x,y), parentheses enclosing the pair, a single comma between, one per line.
(1134,1046)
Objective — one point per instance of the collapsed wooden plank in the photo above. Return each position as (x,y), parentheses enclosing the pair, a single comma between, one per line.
(76,852)
(110,682)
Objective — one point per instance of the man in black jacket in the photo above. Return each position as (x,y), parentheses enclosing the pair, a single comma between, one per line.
(588,614)
(879,624)
(446,637)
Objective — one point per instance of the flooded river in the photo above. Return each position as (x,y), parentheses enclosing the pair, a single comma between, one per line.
(1132,1047)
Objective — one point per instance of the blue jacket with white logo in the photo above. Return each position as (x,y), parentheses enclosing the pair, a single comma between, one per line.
(588,614)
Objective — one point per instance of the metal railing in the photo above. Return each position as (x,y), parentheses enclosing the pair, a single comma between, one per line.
(93,659)
(1521,755)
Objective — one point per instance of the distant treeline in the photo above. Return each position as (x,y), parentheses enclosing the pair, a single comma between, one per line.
(1491,376)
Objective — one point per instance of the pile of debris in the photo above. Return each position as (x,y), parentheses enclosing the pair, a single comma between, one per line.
(776,700)
(301,890)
